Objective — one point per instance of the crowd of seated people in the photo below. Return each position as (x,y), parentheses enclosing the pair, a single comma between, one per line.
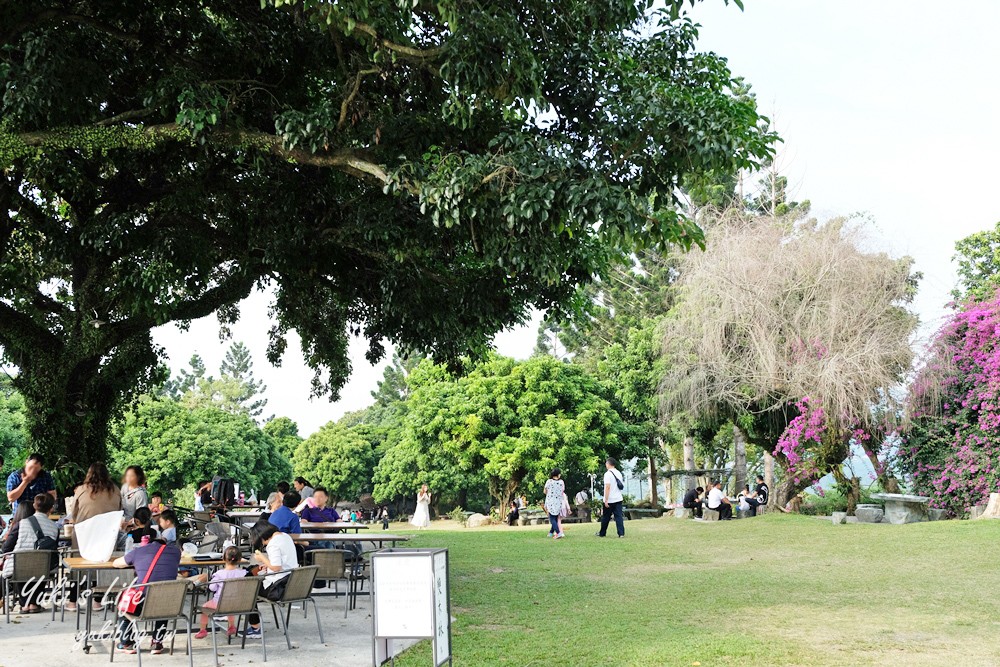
(149,534)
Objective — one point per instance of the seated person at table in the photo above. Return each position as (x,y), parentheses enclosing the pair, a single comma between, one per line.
(302,486)
(143,518)
(156,502)
(320,513)
(231,570)
(273,502)
(283,518)
(280,557)
(282,488)
(513,514)
(33,527)
(160,560)
(168,526)
(718,501)
(692,501)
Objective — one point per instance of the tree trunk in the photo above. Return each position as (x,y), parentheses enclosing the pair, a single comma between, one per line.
(740,456)
(769,475)
(690,482)
(653,497)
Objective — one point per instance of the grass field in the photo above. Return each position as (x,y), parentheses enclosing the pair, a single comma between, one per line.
(776,590)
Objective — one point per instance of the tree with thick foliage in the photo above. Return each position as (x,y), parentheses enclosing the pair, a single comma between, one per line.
(178,446)
(797,332)
(339,458)
(424,173)
(285,433)
(978,259)
(952,445)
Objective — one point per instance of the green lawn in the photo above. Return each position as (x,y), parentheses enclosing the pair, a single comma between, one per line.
(776,590)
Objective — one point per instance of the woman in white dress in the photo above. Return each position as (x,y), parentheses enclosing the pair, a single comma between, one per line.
(422,517)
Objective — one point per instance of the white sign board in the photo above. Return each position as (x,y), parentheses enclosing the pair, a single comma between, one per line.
(442,610)
(411,601)
(403,589)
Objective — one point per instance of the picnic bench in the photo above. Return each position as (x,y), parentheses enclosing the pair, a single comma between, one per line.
(903,508)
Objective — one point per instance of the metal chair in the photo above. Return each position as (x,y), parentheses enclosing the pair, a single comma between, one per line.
(29,568)
(298,588)
(333,566)
(238,598)
(161,601)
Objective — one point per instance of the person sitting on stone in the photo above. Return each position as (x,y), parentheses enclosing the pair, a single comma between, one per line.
(692,501)
(718,501)
(759,496)
(513,514)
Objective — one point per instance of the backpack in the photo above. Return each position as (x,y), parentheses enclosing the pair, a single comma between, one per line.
(43,542)
(618,481)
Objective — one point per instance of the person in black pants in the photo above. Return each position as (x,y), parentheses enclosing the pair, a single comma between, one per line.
(759,496)
(692,501)
(612,499)
(718,501)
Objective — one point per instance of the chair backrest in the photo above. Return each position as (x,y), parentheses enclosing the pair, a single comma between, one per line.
(163,599)
(300,583)
(331,563)
(30,565)
(115,580)
(203,517)
(239,596)
(219,529)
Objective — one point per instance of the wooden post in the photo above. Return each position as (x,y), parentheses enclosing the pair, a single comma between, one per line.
(740,458)
(653,496)
(769,475)
(689,480)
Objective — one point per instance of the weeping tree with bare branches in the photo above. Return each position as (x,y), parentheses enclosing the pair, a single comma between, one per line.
(799,333)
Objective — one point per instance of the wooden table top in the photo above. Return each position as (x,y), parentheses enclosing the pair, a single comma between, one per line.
(78,563)
(333,525)
(342,537)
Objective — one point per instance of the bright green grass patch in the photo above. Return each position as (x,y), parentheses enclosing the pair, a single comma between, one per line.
(776,590)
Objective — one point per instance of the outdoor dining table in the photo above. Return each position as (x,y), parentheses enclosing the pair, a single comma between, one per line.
(374,538)
(311,526)
(82,565)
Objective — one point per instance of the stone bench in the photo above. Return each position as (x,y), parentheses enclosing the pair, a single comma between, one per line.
(710,515)
(683,513)
(904,508)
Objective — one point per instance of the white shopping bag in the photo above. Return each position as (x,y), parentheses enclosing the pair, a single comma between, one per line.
(98,536)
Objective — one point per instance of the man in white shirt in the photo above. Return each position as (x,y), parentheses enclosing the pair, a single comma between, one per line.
(718,501)
(613,486)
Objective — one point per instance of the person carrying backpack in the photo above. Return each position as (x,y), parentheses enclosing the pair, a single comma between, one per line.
(35,531)
(614,484)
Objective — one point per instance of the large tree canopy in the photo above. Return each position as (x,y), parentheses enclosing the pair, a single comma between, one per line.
(787,325)
(419,172)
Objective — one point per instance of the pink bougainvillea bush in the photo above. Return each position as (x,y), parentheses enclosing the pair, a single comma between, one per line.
(800,442)
(952,447)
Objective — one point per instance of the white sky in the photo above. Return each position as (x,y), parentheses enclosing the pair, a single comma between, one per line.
(887,108)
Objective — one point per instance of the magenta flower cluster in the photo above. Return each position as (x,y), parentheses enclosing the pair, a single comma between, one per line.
(952,449)
(802,436)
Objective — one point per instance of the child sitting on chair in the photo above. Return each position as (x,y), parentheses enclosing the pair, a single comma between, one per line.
(232,570)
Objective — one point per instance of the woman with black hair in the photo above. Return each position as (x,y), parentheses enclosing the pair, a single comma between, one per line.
(275,561)
(555,489)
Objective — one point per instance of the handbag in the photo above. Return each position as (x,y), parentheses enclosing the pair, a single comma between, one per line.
(618,481)
(131,597)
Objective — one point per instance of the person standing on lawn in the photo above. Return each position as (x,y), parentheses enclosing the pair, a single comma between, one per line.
(555,489)
(614,484)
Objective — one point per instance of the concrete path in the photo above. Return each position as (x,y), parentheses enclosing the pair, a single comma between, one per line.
(35,641)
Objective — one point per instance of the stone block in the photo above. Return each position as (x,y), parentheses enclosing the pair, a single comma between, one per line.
(937,514)
(976,511)
(839,518)
(869,514)
(743,514)
(477,520)
(710,515)
(683,513)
